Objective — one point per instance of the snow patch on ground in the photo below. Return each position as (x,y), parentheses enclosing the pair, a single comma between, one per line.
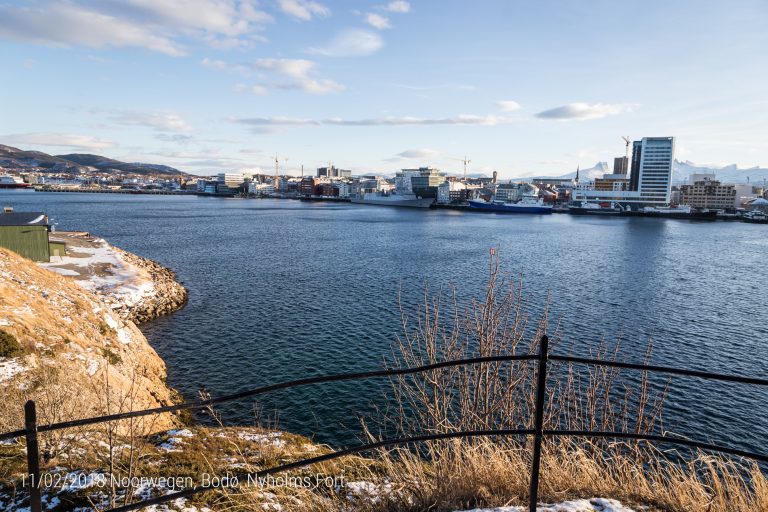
(176,439)
(9,368)
(272,438)
(124,336)
(99,268)
(585,505)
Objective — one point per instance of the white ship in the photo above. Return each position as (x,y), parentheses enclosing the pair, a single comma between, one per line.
(393,199)
(8,181)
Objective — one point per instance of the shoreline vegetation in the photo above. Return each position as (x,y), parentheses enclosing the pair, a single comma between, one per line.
(72,346)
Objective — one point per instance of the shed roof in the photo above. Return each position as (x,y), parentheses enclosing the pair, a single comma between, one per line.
(23,219)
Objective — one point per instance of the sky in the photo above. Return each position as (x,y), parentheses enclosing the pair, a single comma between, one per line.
(521,87)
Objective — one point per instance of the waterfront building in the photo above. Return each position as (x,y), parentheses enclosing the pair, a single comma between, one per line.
(343,188)
(452,192)
(650,181)
(759,204)
(231,180)
(369,185)
(745,193)
(508,192)
(707,192)
(612,182)
(333,172)
(425,183)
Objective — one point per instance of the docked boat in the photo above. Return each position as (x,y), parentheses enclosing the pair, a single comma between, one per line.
(8,181)
(528,204)
(586,208)
(393,199)
(672,212)
(756,217)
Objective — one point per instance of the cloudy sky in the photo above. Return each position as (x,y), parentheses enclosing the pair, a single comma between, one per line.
(524,88)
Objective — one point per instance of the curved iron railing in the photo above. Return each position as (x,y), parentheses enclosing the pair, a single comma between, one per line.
(31,430)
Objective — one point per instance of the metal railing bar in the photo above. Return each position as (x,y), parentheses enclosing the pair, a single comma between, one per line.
(329,456)
(662,369)
(658,439)
(199,404)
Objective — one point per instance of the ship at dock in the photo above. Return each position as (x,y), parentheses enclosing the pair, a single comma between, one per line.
(586,208)
(393,199)
(672,212)
(528,204)
(8,181)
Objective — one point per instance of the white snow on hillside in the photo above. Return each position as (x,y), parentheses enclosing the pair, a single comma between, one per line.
(98,267)
(681,172)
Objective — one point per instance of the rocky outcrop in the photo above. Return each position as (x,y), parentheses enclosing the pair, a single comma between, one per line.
(167,296)
(78,357)
(136,288)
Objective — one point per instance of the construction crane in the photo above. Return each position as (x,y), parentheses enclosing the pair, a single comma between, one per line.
(277,172)
(465,161)
(626,146)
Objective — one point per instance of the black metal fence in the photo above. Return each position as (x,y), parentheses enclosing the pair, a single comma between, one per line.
(32,429)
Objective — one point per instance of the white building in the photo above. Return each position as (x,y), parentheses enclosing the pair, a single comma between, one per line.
(449,191)
(232,180)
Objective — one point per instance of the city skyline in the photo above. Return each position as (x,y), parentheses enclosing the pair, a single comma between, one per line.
(377,86)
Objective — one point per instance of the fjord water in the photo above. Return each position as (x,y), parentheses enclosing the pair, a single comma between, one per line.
(285,289)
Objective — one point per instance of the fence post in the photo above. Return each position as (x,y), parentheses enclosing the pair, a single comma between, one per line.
(541,393)
(33,456)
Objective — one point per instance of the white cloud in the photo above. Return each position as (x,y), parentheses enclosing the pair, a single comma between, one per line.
(298,71)
(58,140)
(351,43)
(414,154)
(377,21)
(400,6)
(152,24)
(167,122)
(68,24)
(303,9)
(583,111)
(508,105)
(295,73)
(210,15)
(462,119)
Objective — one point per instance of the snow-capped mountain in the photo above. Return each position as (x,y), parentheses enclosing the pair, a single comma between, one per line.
(727,174)
(681,172)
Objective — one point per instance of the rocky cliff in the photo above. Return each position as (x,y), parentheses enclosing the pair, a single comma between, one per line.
(69,350)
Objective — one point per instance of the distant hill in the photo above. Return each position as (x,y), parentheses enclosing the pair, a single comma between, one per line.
(20,160)
(103,163)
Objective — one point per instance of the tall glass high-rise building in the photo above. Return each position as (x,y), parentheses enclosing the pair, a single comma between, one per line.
(654,168)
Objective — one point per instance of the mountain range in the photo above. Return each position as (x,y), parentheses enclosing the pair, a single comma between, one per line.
(78,163)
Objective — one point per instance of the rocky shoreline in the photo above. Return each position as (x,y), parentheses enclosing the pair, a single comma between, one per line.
(168,294)
(135,288)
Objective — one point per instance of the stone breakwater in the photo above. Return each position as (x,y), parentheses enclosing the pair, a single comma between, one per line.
(167,294)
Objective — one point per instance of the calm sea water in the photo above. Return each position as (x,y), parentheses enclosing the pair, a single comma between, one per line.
(285,289)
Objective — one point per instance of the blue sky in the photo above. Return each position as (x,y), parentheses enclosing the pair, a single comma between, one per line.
(525,88)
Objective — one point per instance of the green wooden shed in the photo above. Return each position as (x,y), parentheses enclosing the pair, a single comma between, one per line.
(25,233)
